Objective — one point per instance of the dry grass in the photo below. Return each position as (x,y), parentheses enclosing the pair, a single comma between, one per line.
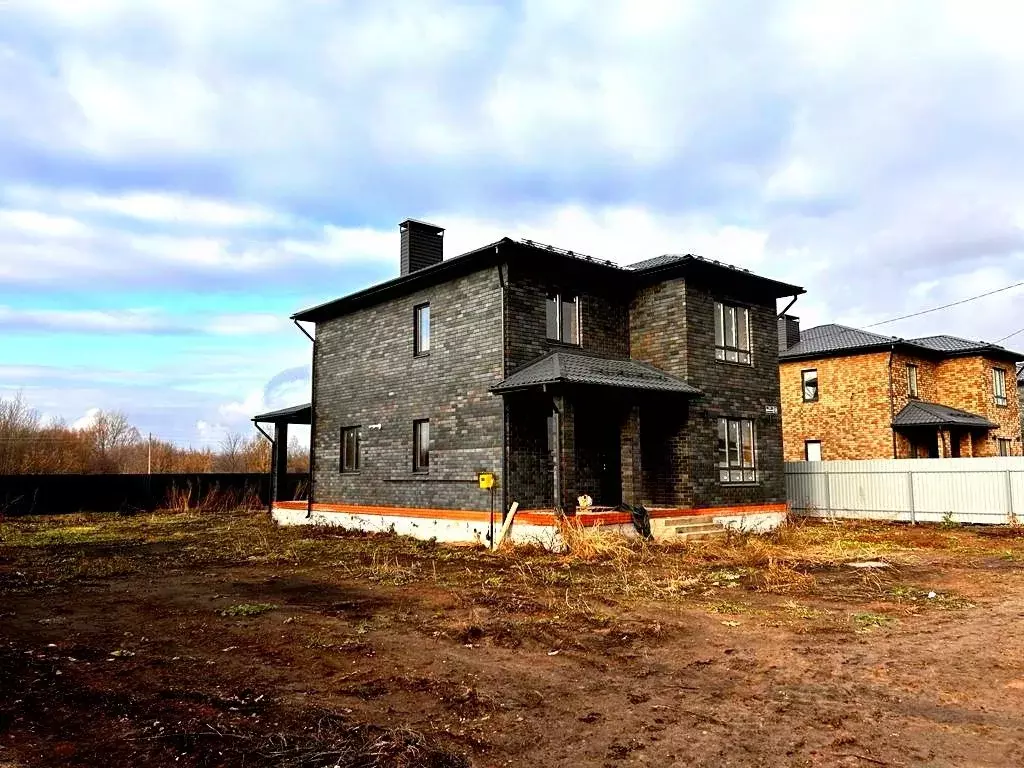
(186,499)
(589,543)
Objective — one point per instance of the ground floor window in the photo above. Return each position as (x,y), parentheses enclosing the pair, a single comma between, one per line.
(812,450)
(1004,446)
(350,449)
(737,455)
(421,445)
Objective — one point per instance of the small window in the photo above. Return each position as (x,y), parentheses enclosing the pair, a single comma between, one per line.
(350,449)
(812,450)
(809,385)
(1004,446)
(732,333)
(421,324)
(421,445)
(563,318)
(737,453)
(912,380)
(999,385)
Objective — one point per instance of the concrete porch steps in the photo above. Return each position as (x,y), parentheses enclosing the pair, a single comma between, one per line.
(687,528)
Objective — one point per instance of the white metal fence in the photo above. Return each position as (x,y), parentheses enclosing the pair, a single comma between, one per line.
(989,490)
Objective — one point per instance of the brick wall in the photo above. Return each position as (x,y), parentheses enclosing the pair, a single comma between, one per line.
(604,320)
(366,374)
(672,326)
(853,417)
(733,390)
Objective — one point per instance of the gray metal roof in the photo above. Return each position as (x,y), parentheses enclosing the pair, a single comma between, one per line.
(565,367)
(476,259)
(834,339)
(296,414)
(831,338)
(918,413)
(943,343)
(1020,374)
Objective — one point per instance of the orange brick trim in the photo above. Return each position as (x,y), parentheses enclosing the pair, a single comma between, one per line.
(527,516)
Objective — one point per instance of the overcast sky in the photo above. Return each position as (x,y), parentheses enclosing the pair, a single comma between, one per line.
(178,176)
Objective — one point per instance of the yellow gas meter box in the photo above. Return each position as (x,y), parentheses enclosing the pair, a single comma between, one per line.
(486,480)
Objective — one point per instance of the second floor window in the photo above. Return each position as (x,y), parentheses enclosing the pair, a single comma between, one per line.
(809,385)
(912,380)
(421,445)
(563,318)
(999,385)
(737,455)
(732,333)
(350,449)
(421,325)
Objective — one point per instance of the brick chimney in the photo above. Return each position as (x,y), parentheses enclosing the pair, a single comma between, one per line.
(422,245)
(789,332)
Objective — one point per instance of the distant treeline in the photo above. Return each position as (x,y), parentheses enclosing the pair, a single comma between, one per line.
(112,445)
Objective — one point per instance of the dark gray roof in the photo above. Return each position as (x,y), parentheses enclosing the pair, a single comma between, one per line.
(943,343)
(497,252)
(831,338)
(578,368)
(296,414)
(1020,374)
(918,413)
(834,339)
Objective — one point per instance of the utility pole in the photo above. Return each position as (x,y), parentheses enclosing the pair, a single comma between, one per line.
(149,460)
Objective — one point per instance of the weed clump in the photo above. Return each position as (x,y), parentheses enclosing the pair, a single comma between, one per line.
(247,609)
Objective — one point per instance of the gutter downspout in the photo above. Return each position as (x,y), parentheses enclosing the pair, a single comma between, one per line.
(892,405)
(783,312)
(312,419)
(504,403)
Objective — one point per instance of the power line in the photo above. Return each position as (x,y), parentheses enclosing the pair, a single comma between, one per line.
(947,306)
(1009,336)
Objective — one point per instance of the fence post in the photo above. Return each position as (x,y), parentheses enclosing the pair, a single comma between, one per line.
(910,489)
(828,494)
(1009,498)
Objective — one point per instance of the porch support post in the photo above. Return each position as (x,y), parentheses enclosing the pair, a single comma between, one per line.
(632,484)
(569,489)
(279,461)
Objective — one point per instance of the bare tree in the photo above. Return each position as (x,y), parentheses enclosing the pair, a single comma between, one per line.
(231,458)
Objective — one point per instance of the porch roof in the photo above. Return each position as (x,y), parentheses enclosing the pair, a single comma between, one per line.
(923,414)
(565,367)
(296,414)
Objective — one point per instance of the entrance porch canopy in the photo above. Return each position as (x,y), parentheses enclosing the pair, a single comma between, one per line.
(564,367)
(923,414)
(296,414)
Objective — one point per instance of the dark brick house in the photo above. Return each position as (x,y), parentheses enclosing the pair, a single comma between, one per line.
(563,375)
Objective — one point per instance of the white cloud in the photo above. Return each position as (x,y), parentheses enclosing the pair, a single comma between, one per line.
(137,321)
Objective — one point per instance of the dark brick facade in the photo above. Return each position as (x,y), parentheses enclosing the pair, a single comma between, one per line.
(367,375)
(616,445)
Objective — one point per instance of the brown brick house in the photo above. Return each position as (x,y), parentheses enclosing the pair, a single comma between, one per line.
(852,394)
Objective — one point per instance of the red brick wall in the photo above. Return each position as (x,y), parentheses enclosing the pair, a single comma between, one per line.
(852,417)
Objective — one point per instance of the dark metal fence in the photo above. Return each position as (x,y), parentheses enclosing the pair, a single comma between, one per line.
(62,494)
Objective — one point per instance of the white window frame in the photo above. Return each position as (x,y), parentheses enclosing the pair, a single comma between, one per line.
(807,449)
(560,300)
(739,466)
(737,348)
(803,385)
(912,384)
(999,386)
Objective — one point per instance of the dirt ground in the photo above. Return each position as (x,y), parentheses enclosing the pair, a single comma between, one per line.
(221,640)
